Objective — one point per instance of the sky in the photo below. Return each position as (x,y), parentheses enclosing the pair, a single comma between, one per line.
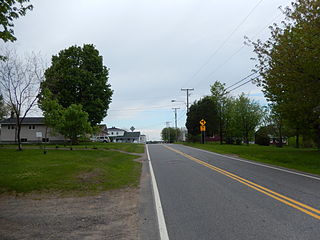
(154,48)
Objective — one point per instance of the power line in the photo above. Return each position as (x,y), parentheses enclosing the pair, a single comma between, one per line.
(224,42)
(239,49)
(240,80)
(187,90)
(240,85)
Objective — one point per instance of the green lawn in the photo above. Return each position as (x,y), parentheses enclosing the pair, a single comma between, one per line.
(66,172)
(128,147)
(307,160)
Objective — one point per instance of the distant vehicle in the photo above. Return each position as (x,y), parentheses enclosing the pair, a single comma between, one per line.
(100,139)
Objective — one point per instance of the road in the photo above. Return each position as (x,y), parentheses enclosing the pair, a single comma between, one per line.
(211,196)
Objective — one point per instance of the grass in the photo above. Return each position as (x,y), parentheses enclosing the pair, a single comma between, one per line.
(127,147)
(306,160)
(66,172)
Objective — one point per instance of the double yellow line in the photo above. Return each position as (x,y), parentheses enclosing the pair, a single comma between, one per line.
(286,200)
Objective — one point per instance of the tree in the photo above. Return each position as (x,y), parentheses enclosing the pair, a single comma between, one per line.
(205,109)
(77,76)
(289,66)
(170,134)
(248,115)
(72,122)
(20,80)
(3,108)
(219,97)
(10,10)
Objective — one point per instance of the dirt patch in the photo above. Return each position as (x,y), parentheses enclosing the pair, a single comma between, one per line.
(91,177)
(110,215)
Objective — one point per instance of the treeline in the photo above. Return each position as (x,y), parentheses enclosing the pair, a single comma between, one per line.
(288,70)
(229,119)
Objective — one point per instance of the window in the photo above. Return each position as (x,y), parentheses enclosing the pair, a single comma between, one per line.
(24,140)
(29,126)
(33,127)
(45,139)
(111,133)
(8,126)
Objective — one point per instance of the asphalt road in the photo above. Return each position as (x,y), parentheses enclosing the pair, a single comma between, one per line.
(210,196)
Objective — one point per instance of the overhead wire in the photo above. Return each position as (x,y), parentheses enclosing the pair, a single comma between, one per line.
(240,80)
(241,84)
(223,43)
(242,47)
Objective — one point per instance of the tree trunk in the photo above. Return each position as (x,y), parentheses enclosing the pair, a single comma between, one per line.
(45,141)
(220,125)
(297,139)
(18,133)
(220,131)
(318,136)
(247,136)
(280,135)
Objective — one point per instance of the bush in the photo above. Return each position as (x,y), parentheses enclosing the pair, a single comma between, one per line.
(229,140)
(194,139)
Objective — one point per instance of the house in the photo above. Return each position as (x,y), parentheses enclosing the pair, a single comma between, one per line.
(132,137)
(120,135)
(33,130)
(115,132)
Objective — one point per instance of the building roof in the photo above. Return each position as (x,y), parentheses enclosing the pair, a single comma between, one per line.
(115,129)
(130,135)
(27,120)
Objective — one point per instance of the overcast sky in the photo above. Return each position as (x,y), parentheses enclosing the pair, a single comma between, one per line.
(154,48)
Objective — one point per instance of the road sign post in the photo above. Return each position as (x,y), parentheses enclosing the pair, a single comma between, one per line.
(203,130)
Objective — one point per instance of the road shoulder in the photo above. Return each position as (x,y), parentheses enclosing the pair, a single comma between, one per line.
(148,223)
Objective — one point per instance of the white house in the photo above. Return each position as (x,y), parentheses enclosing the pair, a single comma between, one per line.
(120,135)
(115,132)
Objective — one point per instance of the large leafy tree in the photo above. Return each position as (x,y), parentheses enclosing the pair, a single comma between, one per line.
(219,97)
(247,116)
(10,10)
(77,76)
(205,109)
(289,66)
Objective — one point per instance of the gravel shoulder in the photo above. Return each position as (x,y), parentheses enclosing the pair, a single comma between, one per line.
(110,215)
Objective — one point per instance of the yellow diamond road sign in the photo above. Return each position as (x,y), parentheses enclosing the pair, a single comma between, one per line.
(203,122)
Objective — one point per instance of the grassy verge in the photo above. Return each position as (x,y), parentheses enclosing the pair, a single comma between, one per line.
(76,172)
(306,160)
(127,147)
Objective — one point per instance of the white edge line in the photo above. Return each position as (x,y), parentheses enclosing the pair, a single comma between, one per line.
(161,221)
(258,164)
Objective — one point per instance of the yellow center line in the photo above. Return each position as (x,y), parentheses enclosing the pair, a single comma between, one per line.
(286,200)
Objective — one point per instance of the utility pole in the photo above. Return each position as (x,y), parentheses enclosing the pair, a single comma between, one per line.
(176,123)
(175,116)
(187,89)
